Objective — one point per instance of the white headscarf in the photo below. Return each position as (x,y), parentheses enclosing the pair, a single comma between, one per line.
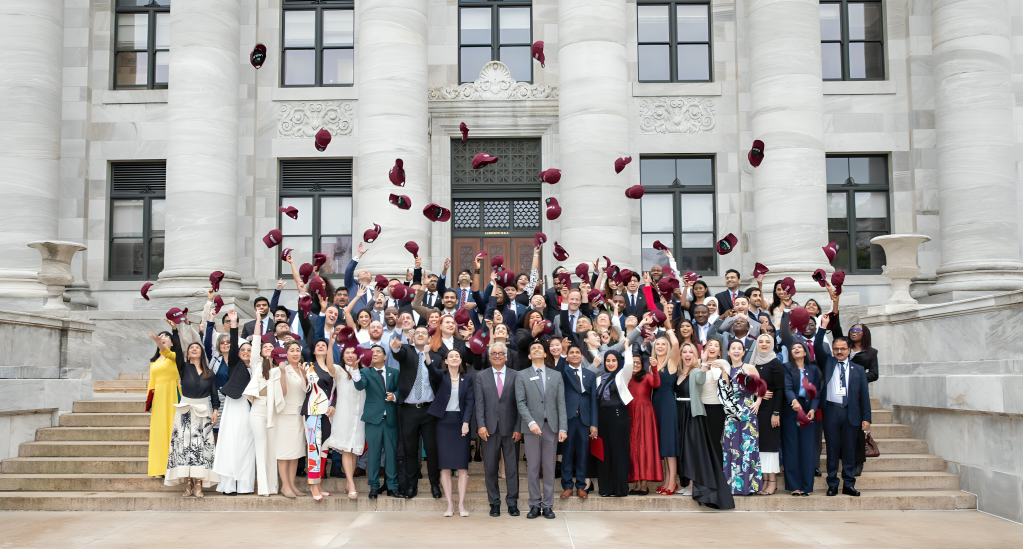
(760,357)
(717,308)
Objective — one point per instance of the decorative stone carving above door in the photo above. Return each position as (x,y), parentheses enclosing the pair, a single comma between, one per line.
(495,82)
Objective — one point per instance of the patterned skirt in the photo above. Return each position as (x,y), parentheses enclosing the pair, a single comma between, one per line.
(191,447)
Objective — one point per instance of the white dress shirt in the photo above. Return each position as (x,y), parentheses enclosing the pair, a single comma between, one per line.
(835,385)
(578,371)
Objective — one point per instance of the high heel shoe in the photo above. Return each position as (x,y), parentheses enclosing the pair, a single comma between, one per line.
(325,494)
(198,488)
(318,498)
(353,495)
(189,487)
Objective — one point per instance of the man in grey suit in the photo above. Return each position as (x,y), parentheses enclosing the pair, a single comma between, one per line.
(540,397)
(497,414)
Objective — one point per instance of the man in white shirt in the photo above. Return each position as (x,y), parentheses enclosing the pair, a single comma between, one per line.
(703,328)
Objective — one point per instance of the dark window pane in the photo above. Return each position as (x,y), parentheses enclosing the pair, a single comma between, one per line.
(514,25)
(656,171)
(837,170)
(654,63)
(865,21)
(519,62)
(868,256)
(162,31)
(866,60)
(831,61)
(870,170)
(162,67)
(831,21)
(338,27)
(132,31)
(838,211)
(692,23)
(300,29)
(155,257)
(693,62)
(143,3)
(653,23)
(651,256)
(841,261)
(476,26)
(697,253)
(695,171)
(132,69)
(472,62)
(338,66)
(299,67)
(126,257)
(338,250)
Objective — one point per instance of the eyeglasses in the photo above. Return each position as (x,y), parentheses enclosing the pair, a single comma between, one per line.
(855,330)
(497,354)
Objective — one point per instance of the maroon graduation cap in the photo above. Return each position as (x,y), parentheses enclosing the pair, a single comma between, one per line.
(624,276)
(145,290)
(553,208)
(436,212)
(621,163)
(218,303)
(176,315)
(565,278)
(536,50)
(304,272)
(690,276)
(372,234)
(801,416)
(837,279)
(539,238)
(322,139)
(811,389)
(760,269)
(496,261)
(412,248)
(215,278)
(635,192)
(319,260)
(483,159)
(799,318)
(559,253)
(658,317)
(821,277)
(317,286)
(479,341)
(462,318)
(401,201)
(665,287)
(258,56)
(831,250)
(788,285)
(305,302)
(397,173)
(550,175)
(289,211)
(726,244)
(365,356)
(279,355)
(582,270)
(381,281)
(659,246)
(272,238)
(506,278)
(465,131)
(285,252)
(402,292)
(480,255)
(595,297)
(756,154)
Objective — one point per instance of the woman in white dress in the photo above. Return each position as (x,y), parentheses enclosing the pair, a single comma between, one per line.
(290,425)
(348,432)
(235,460)
(263,391)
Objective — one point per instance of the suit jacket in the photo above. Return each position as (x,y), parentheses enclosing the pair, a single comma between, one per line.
(563,326)
(352,285)
(792,385)
(723,325)
(466,397)
(641,304)
(500,415)
(536,406)
(857,397)
(249,328)
(725,300)
(408,366)
(376,405)
(578,403)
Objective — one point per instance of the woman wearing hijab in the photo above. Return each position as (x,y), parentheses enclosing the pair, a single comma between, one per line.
(701,451)
(771,371)
(613,398)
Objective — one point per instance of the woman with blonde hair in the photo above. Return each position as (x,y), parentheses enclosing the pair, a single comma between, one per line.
(665,357)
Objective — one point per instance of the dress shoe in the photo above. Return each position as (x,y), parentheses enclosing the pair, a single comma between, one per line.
(513,511)
(566,494)
(548,513)
(395,494)
(850,492)
(413,491)
(435,490)
(373,493)
(230,493)
(817,472)
(582,493)
(833,490)
(533,513)
(495,510)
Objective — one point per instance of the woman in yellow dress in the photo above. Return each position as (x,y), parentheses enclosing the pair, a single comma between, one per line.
(163,383)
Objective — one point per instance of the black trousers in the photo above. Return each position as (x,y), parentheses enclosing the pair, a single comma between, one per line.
(416,423)
(613,429)
(841,439)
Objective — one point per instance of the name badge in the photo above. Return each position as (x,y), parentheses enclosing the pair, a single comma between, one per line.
(534,378)
(840,391)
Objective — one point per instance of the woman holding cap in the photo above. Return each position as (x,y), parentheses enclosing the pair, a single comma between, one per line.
(741,436)
(613,398)
(360,322)
(348,431)
(701,451)
(290,429)
(453,407)
(770,369)
(163,385)
(264,392)
(190,459)
(802,377)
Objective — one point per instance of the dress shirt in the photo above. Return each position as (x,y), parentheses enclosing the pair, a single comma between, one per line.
(836,383)
(802,376)
(632,298)
(701,332)
(383,375)
(499,378)
(572,318)
(430,299)
(578,372)
(448,342)
(423,375)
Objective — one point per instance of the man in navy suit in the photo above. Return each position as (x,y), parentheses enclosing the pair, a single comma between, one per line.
(846,406)
(581,407)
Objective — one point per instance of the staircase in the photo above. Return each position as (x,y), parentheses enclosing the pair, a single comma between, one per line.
(130,383)
(96,461)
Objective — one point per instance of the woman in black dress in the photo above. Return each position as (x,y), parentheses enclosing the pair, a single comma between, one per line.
(769,413)
(613,426)
(864,355)
(666,359)
(454,404)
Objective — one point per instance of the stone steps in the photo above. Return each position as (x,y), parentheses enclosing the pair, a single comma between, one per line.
(70,434)
(120,386)
(97,449)
(890,430)
(894,446)
(80,465)
(109,407)
(105,420)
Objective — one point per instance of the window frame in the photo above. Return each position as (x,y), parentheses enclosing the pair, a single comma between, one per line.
(317,6)
(673,42)
(317,234)
(151,50)
(677,190)
(148,195)
(850,201)
(845,41)
(495,31)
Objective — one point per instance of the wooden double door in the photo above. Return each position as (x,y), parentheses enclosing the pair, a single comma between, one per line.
(517,252)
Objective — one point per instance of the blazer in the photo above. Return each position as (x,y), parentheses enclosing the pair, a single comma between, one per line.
(792,385)
(352,285)
(641,304)
(723,325)
(535,406)
(408,368)
(500,415)
(373,412)
(858,398)
(725,300)
(237,371)
(466,397)
(582,404)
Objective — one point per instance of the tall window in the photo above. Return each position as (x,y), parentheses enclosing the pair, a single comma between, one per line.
(858,211)
(137,208)
(142,44)
(322,192)
(495,30)
(319,42)
(852,41)
(674,41)
(678,210)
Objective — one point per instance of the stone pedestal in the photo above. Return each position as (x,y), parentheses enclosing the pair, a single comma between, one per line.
(900,266)
(976,147)
(56,273)
(31,73)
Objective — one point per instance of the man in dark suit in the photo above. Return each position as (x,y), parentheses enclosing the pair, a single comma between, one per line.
(380,414)
(581,408)
(727,297)
(553,296)
(572,310)
(497,415)
(635,301)
(262,305)
(417,387)
(846,405)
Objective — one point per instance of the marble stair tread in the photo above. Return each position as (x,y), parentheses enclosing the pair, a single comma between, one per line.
(93,433)
(902,462)
(74,419)
(890,430)
(62,465)
(85,448)
(118,406)
(476,502)
(894,446)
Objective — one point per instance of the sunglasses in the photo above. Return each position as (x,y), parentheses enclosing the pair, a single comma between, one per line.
(855,330)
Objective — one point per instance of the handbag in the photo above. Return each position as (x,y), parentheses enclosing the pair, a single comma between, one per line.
(597,448)
(149,400)
(872,450)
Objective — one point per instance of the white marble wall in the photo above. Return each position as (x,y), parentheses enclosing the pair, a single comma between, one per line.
(16,428)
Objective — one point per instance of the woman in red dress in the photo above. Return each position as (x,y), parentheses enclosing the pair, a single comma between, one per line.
(645,452)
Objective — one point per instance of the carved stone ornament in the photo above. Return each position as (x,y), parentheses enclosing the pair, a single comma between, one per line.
(495,82)
(304,119)
(676,115)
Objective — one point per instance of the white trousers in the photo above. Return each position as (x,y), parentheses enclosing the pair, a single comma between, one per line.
(235,461)
(266,453)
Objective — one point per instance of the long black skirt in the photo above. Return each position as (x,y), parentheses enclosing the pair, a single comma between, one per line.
(770,437)
(715,423)
(613,429)
(703,463)
(685,419)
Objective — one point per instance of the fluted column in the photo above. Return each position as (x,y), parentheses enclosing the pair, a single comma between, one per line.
(32,46)
(787,103)
(973,116)
(391,41)
(202,149)
(593,111)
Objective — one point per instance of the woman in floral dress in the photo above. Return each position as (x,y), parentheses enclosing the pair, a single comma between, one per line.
(741,441)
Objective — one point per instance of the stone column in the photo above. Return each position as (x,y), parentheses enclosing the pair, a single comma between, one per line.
(391,39)
(787,103)
(973,116)
(202,149)
(32,46)
(593,119)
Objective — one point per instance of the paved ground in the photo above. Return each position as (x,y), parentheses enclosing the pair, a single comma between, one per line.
(158,530)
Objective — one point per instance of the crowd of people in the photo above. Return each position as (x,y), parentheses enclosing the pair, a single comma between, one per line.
(638,381)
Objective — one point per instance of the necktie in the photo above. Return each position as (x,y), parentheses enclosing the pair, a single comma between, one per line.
(579,374)
(632,299)
(539,372)
(462,299)
(571,321)
(500,385)
(429,300)
(417,392)
(841,381)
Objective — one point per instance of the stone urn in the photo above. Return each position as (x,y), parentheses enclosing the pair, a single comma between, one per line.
(900,265)
(56,272)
